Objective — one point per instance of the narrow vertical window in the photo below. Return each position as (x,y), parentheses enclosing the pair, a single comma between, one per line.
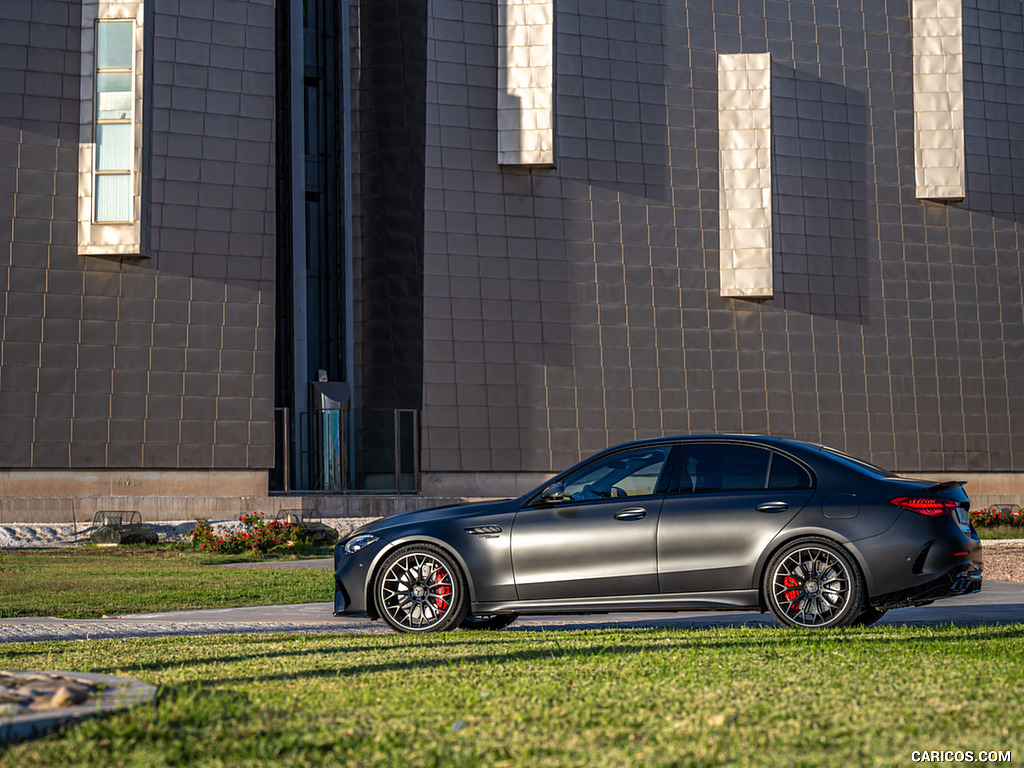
(114,161)
(115,122)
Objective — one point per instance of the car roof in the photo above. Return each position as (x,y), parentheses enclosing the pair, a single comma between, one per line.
(805,450)
(780,442)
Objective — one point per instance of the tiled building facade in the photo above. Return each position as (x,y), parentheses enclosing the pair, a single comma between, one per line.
(546,225)
(145,370)
(574,305)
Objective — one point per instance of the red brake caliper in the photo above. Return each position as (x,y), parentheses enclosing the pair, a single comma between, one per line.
(791,596)
(440,602)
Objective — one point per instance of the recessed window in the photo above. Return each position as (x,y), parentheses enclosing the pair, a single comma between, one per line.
(113,200)
(114,163)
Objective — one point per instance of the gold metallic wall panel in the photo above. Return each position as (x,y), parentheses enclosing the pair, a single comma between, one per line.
(745,174)
(938,99)
(526,94)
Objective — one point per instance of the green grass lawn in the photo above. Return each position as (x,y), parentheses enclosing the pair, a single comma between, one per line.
(88,582)
(1001,532)
(609,697)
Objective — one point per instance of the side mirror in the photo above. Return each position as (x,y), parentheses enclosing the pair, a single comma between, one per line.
(553,494)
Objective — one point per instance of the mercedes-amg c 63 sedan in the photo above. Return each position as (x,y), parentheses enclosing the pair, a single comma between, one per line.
(817,537)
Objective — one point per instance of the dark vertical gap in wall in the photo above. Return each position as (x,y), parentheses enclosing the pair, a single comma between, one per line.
(392,146)
(283,377)
(325,166)
(284,384)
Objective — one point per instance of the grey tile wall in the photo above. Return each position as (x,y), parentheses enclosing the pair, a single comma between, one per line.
(141,363)
(570,308)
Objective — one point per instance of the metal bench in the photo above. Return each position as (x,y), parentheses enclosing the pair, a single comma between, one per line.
(113,527)
(320,534)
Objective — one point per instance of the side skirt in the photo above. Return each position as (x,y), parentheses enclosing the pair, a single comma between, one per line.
(685,601)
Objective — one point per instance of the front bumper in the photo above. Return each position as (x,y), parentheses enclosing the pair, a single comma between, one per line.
(964,579)
(351,579)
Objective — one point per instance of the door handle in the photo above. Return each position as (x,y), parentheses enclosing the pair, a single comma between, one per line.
(633,513)
(773,506)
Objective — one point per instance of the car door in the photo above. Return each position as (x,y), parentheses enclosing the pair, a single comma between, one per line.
(729,501)
(600,538)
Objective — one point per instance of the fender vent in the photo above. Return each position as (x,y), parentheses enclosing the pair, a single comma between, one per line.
(481,529)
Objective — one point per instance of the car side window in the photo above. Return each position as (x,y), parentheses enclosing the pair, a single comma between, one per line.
(787,475)
(622,475)
(716,467)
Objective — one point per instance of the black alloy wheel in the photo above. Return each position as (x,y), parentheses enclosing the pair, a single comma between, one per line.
(813,583)
(420,588)
(489,622)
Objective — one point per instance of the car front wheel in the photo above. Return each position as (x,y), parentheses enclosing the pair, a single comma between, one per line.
(420,588)
(813,583)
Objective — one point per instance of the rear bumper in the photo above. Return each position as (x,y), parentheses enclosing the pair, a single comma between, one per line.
(964,579)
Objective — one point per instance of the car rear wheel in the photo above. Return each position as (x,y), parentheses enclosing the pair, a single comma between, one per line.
(420,588)
(813,583)
(489,622)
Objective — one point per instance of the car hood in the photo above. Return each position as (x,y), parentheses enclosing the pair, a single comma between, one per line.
(385,525)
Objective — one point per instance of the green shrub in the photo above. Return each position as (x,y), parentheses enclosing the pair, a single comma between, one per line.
(257,535)
(998,515)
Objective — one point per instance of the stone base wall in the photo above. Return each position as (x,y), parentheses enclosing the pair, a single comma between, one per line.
(75,497)
(481,485)
(15,482)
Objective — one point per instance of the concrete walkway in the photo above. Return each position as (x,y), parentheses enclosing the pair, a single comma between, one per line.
(999,602)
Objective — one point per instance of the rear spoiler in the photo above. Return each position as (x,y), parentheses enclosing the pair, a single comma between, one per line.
(945,486)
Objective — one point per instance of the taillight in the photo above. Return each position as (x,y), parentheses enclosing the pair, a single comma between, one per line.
(925,506)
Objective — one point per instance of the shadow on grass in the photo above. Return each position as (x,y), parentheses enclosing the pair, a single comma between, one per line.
(419,654)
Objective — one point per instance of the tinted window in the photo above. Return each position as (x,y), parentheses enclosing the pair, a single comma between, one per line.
(630,473)
(712,467)
(788,475)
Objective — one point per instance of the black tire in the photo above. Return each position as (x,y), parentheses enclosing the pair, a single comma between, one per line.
(868,617)
(420,588)
(489,622)
(813,583)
